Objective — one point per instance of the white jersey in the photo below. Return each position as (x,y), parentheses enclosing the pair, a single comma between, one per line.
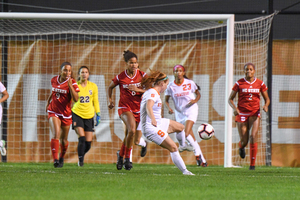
(182,94)
(155,96)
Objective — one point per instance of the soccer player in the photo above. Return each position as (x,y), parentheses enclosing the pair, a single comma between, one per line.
(247,112)
(83,113)
(129,82)
(4,97)
(64,90)
(183,91)
(154,127)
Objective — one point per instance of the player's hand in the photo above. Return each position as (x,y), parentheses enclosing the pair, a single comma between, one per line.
(98,118)
(132,88)
(111,105)
(171,111)
(265,108)
(70,83)
(154,122)
(236,112)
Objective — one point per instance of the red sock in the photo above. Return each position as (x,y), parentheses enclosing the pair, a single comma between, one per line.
(240,145)
(122,151)
(63,149)
(253,152)
(127,152)
(54,148)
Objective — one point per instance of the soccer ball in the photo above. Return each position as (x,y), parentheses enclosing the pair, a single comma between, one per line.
(206,131)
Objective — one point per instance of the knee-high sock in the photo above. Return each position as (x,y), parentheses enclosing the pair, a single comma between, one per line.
(54,148)
(63,149)
(177,160)
(122,150)
(180,136)
(142,142)
(87,146)
(81,148)
(253,152)
(127,152)
(197,149)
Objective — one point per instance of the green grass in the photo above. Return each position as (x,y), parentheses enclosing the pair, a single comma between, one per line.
(93,181)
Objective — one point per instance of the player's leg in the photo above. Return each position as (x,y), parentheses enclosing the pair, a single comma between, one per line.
(121,152)
(55,123)
(139,140)
(64,143)
(169,144)
(129,120)
(244,135)
(201,161)
(177,127)
(254,123)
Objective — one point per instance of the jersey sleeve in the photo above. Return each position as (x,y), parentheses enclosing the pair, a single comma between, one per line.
(116,80)
(263,87)
(194,86)
(95,97)
(236,87)
(75,85)
(2,87)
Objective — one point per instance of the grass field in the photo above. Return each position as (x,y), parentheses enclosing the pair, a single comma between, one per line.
(94,181)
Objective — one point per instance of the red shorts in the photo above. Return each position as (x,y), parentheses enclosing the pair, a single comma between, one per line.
(243,117)
(64,121)
(136,115)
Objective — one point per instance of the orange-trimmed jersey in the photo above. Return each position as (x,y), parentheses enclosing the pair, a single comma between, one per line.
(129,99)
(61,98)
(249,94)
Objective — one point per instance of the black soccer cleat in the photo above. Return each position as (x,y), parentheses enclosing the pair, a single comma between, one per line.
(199,161)
(61,163)
(204,164)
(144,150)
(252,168)
(56,163)
(127,164)
(242,153)
(80,164)
(119,161)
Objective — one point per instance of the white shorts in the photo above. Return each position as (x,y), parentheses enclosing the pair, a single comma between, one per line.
(188,114)
(156,134)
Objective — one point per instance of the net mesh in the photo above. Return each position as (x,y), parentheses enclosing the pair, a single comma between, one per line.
(36,48)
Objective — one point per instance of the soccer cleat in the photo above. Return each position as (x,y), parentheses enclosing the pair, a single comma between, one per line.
(56,163)
(199,161)
(80,164)
(61,162)
(185,148)
(127,164)
(187,172)
(144,150)
(204,164)
(2,148)
(252,168)
(119,161)
(242,152)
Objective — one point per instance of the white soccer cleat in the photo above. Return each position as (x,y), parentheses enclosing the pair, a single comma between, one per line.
(185,148)
(187,172)
(2,148)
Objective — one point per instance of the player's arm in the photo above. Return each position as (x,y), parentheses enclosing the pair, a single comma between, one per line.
(48,101)
(149,109)
(136,89)
(73,92)
(109,92)
(193,101)
(231,103)
(267,100)
(4,96)
(167,97)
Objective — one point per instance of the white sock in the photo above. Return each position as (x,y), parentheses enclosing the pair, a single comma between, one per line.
(197,149)
(180,136)
(177,160)
(142,142)
(1,144)
(131,155)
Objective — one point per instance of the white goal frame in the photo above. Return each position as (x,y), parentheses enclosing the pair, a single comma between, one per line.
(229,18)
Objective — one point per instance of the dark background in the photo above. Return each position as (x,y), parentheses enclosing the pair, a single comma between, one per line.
(286,23)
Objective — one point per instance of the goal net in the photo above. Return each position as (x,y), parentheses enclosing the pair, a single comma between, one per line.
(34,46)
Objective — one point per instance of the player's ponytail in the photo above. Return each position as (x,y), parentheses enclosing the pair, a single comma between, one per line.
(153,79)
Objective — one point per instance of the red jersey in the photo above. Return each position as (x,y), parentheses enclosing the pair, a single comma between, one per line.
(61,98)
(129,99)
(249,94)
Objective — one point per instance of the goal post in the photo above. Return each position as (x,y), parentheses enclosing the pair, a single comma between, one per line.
(39,42)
